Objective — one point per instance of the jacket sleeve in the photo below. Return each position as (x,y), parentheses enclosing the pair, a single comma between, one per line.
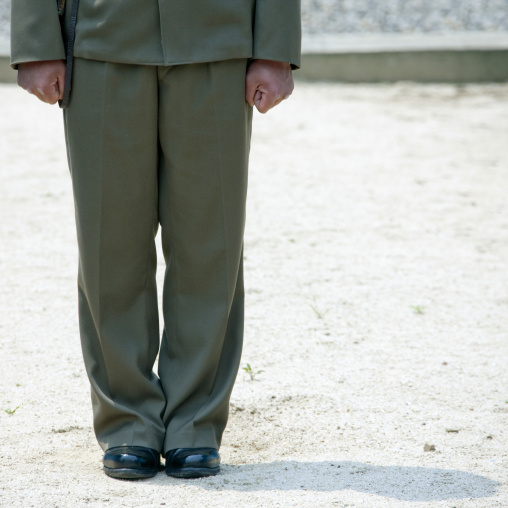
(35,31)
(277,31)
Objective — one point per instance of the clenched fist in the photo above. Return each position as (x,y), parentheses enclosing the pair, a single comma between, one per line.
(267,83)
(43,79)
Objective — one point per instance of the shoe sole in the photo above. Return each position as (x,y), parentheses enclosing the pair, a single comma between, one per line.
(193,472)
(130,474)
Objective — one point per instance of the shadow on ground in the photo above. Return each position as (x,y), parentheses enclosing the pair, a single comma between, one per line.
(397,482)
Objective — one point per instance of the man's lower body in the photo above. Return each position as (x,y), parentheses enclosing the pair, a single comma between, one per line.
(154,145)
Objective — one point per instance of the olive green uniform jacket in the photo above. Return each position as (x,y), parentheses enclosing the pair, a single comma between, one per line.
(160,32)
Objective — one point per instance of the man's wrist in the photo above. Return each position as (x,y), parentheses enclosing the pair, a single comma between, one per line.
(286,65)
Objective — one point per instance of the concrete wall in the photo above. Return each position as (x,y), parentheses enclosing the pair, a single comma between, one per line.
(382,16)
(387,40)
(404,16)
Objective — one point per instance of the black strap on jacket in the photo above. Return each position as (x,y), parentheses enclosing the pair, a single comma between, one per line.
(69,51)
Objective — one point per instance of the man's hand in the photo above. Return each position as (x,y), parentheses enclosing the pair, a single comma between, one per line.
(268,83)
(44,79)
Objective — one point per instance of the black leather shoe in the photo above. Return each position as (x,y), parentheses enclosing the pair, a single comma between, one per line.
(131,462)
(192,462)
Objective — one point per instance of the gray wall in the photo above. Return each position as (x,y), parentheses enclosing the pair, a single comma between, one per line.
(5,17)
(383,16)
(404,16)
(456,40)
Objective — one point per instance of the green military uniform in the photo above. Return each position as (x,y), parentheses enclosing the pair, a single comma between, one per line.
(158,132)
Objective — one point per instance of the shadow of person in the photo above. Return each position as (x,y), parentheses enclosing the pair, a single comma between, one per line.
(405,483)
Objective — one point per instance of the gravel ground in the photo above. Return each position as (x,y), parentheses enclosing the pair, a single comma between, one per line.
(378,16)
(377,307)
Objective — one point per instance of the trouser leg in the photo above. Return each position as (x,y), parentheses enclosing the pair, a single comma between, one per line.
(204,129)
(111,132)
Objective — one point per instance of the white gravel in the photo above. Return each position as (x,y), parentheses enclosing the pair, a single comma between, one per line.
(377,307)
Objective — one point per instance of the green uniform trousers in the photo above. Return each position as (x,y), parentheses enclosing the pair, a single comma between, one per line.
(152,145)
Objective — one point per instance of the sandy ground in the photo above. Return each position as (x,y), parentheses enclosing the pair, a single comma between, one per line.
(377,307)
